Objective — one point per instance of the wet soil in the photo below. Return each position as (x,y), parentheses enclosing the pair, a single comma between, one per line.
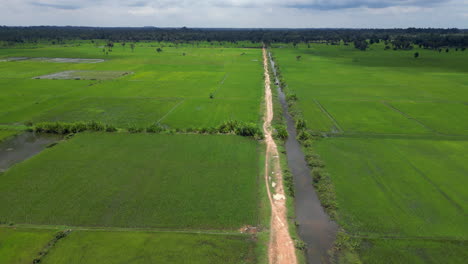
(22,147)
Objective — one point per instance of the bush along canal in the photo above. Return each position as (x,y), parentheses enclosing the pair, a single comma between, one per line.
(315,227)
(24,146)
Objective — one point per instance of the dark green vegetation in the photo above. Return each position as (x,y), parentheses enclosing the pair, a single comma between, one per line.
(432,38)
(168,181)
(155,247)
(389,132)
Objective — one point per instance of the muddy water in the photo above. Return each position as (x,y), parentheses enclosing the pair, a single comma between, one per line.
(315,227)
(23,146)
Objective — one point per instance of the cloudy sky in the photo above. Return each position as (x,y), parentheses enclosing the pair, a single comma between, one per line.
(237,13)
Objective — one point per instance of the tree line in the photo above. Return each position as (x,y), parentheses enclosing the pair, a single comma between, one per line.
(430,38)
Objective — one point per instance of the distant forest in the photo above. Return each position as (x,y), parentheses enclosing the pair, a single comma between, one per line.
(394,38)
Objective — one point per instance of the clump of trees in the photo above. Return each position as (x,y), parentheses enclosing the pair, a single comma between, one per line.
(361,44)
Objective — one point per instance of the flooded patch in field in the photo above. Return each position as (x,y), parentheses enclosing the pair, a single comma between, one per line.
(315,228)
(84,75)
(23,146)
(58,60)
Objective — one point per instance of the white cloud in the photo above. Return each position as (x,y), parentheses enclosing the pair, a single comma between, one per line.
(237,13)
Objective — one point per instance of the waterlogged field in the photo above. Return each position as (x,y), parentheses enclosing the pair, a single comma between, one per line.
(102,247)
(396,145)
(137,180)
(129,87)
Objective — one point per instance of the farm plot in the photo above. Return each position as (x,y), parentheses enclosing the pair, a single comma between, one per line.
(385,251)
(444,118)
(371,117)
(118,111)
(22,245)
(233,75)
(155,247)
(137,180)
(211,113)
(399,187)
(398,153)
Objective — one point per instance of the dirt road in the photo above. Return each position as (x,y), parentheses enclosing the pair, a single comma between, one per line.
(281,248)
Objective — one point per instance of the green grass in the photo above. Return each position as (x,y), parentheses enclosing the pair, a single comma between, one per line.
(365,79)
(371,117)
(120,112)
(385,251)
(137,180)
(231,73)
(398,162)
(399,187)
(212,112)
(4,134)
(138,247)
(22,245)
(444,118)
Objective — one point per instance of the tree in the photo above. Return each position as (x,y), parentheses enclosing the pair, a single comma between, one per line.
(132,46)
(416,55)
(298,57)
(361,44)
(159,50)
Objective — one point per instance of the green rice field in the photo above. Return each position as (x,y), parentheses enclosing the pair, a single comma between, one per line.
(132,88)
(155,247)
(133,197)
(18,246)
(168,181)
(395,144)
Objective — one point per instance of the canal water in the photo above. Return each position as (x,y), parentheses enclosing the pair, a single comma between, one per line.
(315,228)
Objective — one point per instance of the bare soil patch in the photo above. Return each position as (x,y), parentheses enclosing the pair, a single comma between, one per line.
(84,75)
(57,60)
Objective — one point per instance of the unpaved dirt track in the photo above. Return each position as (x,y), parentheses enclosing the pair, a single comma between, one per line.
(281,249)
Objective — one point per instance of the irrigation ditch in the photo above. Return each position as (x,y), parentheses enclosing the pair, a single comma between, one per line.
(315,227)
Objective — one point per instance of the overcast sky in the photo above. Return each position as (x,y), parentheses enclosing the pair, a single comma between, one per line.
(237,13)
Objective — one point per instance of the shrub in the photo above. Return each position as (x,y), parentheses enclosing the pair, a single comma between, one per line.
(67,128)
(301,124)
(95,126)
(134,129)
(299,244)
(281,132)
(111,128)
(155,128)
(288,182)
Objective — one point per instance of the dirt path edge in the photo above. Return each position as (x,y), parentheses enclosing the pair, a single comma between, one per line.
(281,248)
